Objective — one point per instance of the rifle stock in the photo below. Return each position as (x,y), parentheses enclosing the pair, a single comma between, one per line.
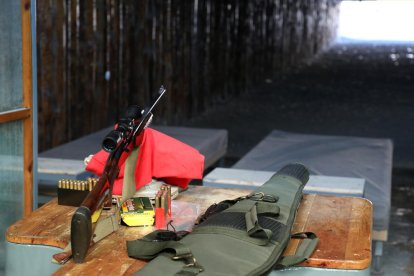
(81,225)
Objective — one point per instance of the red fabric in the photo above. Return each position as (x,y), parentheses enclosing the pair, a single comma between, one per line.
(160,156)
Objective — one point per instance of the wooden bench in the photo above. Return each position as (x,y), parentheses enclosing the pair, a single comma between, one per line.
(343,225)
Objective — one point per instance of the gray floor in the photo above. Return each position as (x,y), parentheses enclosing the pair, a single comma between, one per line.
(356,90)
(399,250)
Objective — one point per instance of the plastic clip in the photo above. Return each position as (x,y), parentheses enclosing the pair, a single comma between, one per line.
(190,261)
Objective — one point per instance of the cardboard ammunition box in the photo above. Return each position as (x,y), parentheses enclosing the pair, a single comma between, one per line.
(137,211)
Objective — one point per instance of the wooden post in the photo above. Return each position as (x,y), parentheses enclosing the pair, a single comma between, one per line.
(27,103)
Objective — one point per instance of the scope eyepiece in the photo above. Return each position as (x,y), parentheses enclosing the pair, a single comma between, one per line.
(125,124)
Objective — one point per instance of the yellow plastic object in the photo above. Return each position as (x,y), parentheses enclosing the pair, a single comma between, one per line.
(96,215)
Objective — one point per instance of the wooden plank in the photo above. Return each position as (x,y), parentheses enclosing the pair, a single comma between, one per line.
(357,234)
(27,102)
(344,232)
(48,225)
(59,93)
(45,69)
(74,61)
(52,39)
(99,61)
(15,114)
(166,109)
(82,93)
(123,85)
(114,111)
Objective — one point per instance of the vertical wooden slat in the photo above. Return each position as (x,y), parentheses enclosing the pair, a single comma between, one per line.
(113,65)
(99,62)
(167,59)
(40,71)
(133,67)
(72,64)
(45,65)
(194,59)
(122,53)
(121,84)
(107,63)
(200,55)
(86,50)
(140,53)
(28,103)
(175,37)
(240,51)
(152,46)
(187,49)
(59,92)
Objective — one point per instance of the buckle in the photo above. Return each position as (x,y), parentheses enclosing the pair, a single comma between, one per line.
(263,197)
(190,261)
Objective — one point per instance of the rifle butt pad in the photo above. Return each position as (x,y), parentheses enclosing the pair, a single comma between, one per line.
(81,233)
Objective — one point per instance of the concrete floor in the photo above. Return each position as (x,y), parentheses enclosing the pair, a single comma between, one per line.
(351,89)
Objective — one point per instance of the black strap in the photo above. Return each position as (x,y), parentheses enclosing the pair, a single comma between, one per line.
(305,249)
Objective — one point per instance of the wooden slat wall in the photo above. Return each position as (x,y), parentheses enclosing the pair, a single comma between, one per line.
(97,57)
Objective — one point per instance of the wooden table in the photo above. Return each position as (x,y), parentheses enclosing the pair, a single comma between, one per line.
(343,225)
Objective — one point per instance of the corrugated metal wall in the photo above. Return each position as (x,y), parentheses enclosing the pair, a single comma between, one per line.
(96,57)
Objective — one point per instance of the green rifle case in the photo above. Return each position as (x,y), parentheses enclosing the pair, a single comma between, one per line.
(247,238)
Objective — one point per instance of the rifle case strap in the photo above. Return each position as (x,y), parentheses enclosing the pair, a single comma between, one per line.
(150,246)
(305,249)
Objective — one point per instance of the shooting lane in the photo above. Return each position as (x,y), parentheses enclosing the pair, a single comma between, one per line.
(343,225)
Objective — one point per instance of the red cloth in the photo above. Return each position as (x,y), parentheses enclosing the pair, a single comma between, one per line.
(160,156)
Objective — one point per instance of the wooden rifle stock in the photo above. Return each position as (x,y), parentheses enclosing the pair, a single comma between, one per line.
(81,225)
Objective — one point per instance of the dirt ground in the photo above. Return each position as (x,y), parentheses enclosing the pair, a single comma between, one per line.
(361,90)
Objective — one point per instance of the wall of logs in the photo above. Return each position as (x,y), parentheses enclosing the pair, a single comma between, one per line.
(97,57)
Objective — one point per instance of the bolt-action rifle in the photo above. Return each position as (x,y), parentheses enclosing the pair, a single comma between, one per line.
(115,143)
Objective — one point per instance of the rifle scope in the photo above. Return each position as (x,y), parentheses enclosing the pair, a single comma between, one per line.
(125,125)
